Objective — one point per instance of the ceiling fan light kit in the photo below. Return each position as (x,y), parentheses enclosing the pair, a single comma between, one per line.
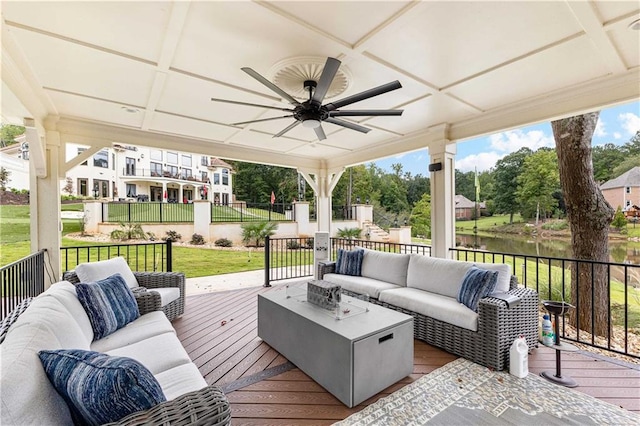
(311,113)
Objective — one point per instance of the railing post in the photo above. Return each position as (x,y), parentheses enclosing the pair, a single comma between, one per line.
(160,205)
(129,209)
(169,256)
(267,261)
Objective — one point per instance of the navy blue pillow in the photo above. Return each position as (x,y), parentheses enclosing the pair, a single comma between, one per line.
(349,262)
(109,304)
(476,284)
(99,388)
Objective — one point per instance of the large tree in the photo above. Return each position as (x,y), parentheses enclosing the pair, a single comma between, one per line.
(505,187)
(589,216)
(538,183)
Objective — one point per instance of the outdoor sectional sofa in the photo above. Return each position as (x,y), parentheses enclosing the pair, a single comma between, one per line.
(56,320)
(427,288)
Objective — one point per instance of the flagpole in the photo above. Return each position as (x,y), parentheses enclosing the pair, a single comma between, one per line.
(475,227)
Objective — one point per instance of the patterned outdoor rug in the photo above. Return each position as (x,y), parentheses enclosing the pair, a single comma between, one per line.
(464,393)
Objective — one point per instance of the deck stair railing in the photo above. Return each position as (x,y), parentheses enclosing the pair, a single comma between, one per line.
(21,279)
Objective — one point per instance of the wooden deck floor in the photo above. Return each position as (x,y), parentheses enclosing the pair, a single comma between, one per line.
(219,331)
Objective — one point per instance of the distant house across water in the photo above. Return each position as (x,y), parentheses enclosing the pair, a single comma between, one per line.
(623,191)
(465,208)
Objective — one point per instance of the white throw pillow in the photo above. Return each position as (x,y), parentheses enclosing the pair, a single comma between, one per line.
(95,271)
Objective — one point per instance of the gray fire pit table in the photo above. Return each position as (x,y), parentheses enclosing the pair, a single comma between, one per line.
(353,358)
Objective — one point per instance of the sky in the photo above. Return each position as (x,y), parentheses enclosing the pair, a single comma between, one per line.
(615,125)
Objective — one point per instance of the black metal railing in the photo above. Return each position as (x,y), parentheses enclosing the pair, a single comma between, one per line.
(147,212)
(251,212)
(344,213)
(344,243)
(286,258)
(147,257)
(551,277)
(21,279)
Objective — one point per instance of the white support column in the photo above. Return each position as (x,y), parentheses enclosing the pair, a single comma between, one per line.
(202,218)
(323,182)
(44,205)
(443,226)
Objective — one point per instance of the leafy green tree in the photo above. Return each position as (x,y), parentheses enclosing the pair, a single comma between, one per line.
(619,220)
(626,165)
(505,177)
(393,194)
(538,183)
(633,146)
(421,217)
(8,133)
(417,186)
(466,184)
(257,232)
(605,159)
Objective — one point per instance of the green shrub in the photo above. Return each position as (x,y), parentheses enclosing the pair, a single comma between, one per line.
(254,233)
(555,225)
(293,245)
(223,242)
(197,240)
(128,231)
(349,233)
(172,236)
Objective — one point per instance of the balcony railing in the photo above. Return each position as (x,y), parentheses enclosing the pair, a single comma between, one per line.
(147,212)
(21,279)
(551,278)
(144,257)
(151,173)
(286,258)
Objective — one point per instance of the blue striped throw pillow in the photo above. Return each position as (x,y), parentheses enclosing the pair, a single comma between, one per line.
(476,284)
(109,304)
(349,262)
(99,388)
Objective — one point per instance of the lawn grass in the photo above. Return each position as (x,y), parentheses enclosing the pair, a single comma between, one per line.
(486,223)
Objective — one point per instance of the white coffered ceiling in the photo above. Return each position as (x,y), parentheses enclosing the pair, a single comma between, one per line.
(476,66)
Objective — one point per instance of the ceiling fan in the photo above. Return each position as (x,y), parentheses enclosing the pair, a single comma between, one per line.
(311,113)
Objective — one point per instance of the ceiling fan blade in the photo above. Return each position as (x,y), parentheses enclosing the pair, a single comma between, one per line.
(320,133)
(366,112)
(261,119)
(252,105)
(328,73)
(348,125)
(270,85)
(286,129)
(364,95)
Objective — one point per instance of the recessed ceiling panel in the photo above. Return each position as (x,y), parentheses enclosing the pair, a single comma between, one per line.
(70,67)
(349,21)
(133,28)
(627,43)
(317,151)
(193,128)
(13,112)
(94,109)
(609,10)
(219,38)
(445,42)
(264,141)
(574,62)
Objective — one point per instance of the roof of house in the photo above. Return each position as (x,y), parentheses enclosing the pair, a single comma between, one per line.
(630,178)
(216,162)
(463,202)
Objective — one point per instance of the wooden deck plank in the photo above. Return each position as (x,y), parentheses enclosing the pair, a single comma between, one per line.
(230,352)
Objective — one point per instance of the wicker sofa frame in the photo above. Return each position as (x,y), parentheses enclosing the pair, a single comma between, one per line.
(498,326)
(149,300)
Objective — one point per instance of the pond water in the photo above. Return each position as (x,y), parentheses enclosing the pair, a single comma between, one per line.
(619,251)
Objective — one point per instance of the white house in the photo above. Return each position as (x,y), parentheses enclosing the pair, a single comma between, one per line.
(126,172)
(15,159)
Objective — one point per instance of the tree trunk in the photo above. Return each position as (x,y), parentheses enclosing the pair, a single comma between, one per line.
(589,217)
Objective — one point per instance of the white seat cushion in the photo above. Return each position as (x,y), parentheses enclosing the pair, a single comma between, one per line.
(148,325)
(167,294)
(360,285)
(433,305)
(95,271)
(180,380)
(387,267)
(65,292)
(158,353)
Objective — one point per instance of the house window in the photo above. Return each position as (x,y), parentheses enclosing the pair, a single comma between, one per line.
(101,188)
(172,157)
(156,169)
(130,167)
(156,155)
(216,178)
(627,190)
(186,173)
(82,187)
(131,190)
(172,171)
(225,177)
(204,176)
(80,151)
(204,160)
(101,159)
(186,160)
(628,203)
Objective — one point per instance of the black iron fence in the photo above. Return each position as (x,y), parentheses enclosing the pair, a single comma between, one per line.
(344,243)
(21,279)
(615,285)
(286,258)
(344,212)
(147,212)
(251,212)
(148,257)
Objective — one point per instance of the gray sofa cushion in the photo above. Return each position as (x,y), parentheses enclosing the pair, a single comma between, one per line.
(360,285)
(432,305)
(444,276)
(387,267)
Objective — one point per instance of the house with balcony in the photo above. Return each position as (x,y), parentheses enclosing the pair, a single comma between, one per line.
(623,191)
